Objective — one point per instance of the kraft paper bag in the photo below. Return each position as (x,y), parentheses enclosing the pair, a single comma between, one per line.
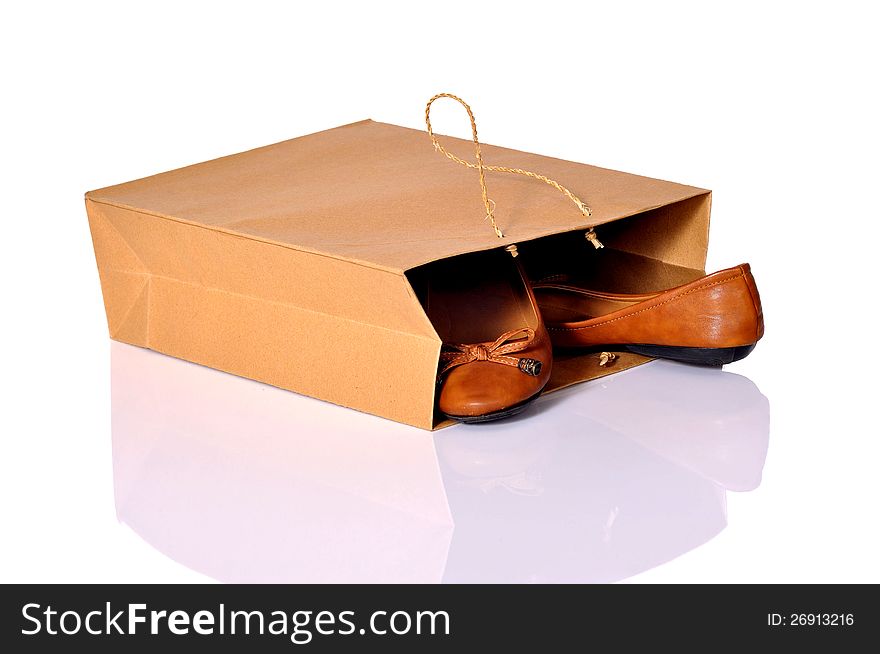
(294,264)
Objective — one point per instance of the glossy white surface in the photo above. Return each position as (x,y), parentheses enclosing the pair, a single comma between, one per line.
(665,473)
(248,483)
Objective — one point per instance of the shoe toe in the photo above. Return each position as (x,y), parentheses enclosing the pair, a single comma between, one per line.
(481,388)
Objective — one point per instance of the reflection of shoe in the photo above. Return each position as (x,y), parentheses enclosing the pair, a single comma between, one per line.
(614,481)
(712,422)
(571,503)
(714,320)
(496,357)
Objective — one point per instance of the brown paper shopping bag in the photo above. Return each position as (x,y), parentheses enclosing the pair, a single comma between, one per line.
(298,264)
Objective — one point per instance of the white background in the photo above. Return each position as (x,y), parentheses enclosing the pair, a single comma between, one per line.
(772,105)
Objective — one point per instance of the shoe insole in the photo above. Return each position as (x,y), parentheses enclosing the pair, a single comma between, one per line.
(559,305)
(476,298)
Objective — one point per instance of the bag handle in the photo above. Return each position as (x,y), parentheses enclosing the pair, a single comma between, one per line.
(482,168)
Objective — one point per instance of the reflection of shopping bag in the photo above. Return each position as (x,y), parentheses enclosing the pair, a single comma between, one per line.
(296,264)
(247,483)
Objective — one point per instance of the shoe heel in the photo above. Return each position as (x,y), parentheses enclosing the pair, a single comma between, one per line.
(701,356)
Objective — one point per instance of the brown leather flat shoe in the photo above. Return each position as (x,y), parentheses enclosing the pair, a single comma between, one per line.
(496,355)
(714,320)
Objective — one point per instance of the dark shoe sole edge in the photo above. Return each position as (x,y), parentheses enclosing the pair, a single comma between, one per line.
(702,356)
(497,415)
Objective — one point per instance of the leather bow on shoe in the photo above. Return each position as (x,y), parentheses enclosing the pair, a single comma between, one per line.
(515,340)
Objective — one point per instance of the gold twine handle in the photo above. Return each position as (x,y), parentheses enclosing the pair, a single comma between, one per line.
(490,205)
(480,166)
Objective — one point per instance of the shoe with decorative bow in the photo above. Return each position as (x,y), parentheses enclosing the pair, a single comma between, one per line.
(496,355)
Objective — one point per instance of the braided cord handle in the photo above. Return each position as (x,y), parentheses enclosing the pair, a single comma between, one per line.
(482,168)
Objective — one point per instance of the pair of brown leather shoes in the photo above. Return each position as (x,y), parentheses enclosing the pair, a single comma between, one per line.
(497,355)
(497,352)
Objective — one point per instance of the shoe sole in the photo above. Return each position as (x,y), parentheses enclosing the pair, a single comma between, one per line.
(497,415)
(701,356)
